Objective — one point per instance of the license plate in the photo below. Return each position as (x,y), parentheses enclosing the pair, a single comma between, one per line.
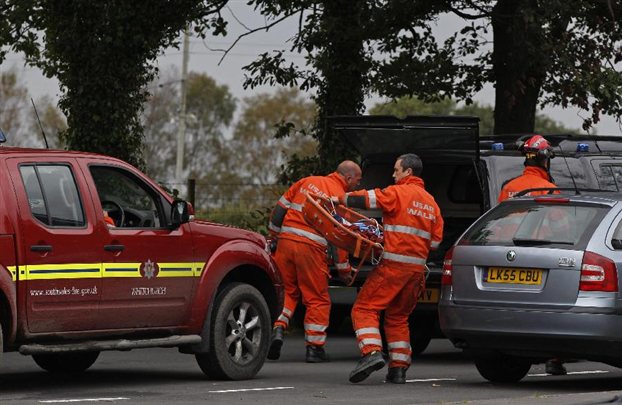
(429,296)
(514,276)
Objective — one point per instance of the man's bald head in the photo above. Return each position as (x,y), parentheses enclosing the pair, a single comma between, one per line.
(351,172)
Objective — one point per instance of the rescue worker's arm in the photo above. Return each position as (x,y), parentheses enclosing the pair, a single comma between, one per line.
(278,213)
(384,199)
(437,229)
(503,195)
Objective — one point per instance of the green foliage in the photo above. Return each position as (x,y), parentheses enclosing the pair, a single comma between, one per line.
(544,53)
(251,218)
(333,37)
(101,52)
(271,130)
(210,110)
(17,115)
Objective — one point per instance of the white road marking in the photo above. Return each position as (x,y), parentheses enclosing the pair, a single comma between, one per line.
(430,380)
(61,401)
(251,389)
(570,373)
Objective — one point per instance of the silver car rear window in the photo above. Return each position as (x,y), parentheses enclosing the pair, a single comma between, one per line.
(531,224)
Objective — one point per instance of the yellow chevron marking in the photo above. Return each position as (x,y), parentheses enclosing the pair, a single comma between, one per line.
(13,271)
(198,268)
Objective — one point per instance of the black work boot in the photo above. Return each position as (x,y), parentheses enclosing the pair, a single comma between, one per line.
(316,354)
(367,364)
(277,342)
(396,375)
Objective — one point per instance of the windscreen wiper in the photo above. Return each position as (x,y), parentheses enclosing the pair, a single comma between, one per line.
(536,242)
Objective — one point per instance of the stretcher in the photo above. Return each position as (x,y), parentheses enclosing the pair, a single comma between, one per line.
(346,229)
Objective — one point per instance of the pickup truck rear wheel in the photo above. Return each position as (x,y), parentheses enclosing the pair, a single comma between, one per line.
(499,368)
(74,362)
(239,334)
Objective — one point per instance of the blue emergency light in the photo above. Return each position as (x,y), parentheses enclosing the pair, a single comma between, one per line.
(583,147)
(497,146)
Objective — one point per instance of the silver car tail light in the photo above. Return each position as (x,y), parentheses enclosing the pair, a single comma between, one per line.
(598,273)
(447,268)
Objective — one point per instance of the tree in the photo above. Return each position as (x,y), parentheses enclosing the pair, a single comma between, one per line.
(101,52)
(18,119)
(543,53)
(333,38)
(341,41)
(210,109)
(260,150)
(14,101)
(412,106)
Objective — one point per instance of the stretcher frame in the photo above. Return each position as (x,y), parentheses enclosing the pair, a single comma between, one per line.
(318,212)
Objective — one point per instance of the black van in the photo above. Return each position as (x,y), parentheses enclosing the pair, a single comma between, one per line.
(464,172)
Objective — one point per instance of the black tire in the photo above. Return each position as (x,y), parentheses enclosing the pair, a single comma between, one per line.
(420,337)
(74,362)
(500,368)
(235,352)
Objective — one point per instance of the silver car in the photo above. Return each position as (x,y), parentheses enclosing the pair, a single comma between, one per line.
(536,278)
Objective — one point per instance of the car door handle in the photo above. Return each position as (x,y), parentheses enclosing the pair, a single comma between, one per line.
(114,248)
(41,248)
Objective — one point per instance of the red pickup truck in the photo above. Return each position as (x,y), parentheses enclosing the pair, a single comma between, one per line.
(74,283)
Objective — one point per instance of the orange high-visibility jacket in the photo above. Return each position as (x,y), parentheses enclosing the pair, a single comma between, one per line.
(288,221)
(532,177)
(411,219)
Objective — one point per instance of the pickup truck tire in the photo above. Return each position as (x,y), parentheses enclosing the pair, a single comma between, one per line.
(239,334)
(75,362)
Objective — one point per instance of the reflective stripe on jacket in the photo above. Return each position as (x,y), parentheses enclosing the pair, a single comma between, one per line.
(411,218)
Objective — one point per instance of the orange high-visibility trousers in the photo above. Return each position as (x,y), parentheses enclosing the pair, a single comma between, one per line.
(393,290)
(304,271)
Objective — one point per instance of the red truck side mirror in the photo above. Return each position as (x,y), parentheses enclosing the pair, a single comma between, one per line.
(179,213)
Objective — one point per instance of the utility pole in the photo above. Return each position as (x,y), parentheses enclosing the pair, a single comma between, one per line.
(181,134)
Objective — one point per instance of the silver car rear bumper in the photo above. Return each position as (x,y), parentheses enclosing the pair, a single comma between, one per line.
(534,333)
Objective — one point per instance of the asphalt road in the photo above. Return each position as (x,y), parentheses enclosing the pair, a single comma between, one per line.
(163,376)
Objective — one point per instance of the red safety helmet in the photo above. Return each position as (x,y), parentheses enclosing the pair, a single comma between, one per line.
(537,147)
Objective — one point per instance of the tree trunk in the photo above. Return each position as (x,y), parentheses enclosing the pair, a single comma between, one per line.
(344,70)
(519,64)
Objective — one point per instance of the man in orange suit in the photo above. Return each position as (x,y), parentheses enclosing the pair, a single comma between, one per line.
(538,155)
(412,226)
(301,257)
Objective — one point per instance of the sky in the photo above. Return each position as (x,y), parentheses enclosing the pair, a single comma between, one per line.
(205,57)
